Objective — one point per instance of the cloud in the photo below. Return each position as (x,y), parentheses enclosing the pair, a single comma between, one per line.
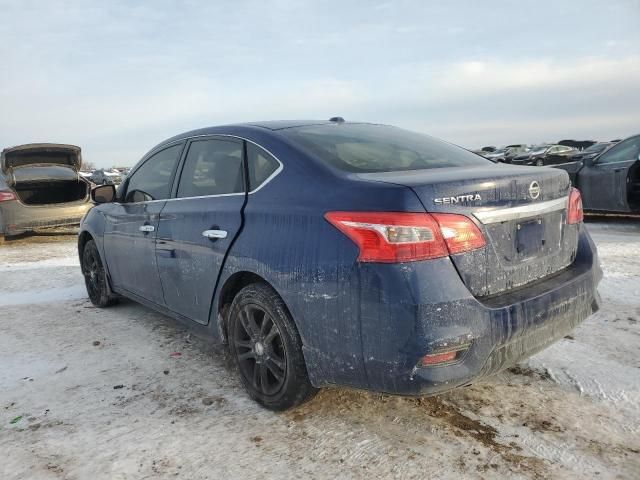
(478,77)
(117,78)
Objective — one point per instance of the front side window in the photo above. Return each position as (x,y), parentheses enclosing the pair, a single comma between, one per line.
(261,165)
(152,181)
(626,150)
(366,148)
(212,167)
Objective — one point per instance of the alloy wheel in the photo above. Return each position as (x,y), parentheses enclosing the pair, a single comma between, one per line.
(260,350)
(93,274)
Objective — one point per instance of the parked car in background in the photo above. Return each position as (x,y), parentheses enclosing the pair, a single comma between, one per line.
(497,155)
(513,151)
(106,177)
(589,152)
(505,154)
(335,253)
(40,187)
(544,155)
(577,144)
(610,182)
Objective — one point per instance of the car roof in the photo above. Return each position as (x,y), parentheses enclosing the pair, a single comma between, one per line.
(249,128)
(282,124)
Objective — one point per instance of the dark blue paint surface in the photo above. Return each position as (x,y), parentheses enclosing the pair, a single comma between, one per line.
(362,324)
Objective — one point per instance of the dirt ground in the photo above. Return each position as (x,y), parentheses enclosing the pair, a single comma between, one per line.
(126,393)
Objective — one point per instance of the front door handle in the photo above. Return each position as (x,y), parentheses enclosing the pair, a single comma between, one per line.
(147,228)
(214,234)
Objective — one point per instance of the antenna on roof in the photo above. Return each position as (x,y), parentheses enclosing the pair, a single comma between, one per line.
(336,119)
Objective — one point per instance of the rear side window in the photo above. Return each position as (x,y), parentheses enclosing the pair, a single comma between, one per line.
(154,176)
(212,167)
(626,150)
(261,165)
(379,148)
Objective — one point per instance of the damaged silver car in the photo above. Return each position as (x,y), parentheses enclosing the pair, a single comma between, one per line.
(40,187)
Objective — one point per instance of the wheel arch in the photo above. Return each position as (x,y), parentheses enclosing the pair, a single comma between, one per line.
(83,238)
(231,287)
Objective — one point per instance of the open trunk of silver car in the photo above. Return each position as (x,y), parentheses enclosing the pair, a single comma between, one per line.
(44,173)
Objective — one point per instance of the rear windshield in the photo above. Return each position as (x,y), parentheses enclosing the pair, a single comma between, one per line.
(379,148)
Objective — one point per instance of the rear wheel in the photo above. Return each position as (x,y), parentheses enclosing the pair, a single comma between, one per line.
(95,277)
(267,349)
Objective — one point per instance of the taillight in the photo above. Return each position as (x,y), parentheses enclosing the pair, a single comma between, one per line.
(459,232)
(575,213)
(6,195)
(390,237)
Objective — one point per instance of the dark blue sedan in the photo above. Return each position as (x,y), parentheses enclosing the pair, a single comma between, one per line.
(336,253)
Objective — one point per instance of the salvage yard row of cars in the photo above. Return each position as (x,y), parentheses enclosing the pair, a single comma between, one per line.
(606,173)
(543,155)
(337,253)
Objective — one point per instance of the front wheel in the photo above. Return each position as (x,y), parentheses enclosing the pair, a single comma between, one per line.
(539,163)
(267,349)
(95,277)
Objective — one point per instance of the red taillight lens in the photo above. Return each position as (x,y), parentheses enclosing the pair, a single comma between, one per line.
(575,213)
(390,237)
(6,195)
(459,232)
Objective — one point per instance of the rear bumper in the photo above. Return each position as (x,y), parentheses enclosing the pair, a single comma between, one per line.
(17,218)
(503,330)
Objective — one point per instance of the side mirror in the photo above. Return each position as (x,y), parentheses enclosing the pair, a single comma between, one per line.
(588,161)
(103,194)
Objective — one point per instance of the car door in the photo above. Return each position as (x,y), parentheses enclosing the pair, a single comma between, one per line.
(603,182)
(560,155)
(131,225)
(199,224)
(552,155)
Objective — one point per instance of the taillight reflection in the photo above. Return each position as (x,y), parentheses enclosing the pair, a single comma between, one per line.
(6,196)
(575,214)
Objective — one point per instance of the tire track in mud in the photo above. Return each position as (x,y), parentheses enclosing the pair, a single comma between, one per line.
(485,434)
(401,435)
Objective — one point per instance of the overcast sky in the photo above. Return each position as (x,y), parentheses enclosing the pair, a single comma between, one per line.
(118,77)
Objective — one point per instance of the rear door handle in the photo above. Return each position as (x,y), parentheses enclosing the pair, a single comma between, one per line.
(147,228)
(214,234)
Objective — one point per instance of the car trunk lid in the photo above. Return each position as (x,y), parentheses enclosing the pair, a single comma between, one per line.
(521,211)
(41,154)
(45,173)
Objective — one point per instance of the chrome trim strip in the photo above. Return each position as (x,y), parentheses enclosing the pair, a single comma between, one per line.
(524,211)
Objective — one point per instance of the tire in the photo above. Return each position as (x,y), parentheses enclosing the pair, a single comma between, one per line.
(267,350)
(539,163)
(95,278)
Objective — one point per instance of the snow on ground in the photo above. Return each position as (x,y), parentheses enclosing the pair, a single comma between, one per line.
(90,393)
